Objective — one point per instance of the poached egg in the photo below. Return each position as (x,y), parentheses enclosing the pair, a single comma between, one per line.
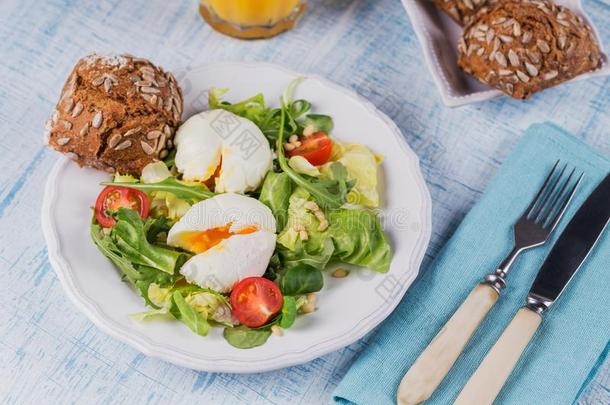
(225,151)
(232,236)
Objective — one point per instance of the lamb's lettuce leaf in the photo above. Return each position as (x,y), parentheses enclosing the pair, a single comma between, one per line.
(243,337)
(289,312)
(301,279)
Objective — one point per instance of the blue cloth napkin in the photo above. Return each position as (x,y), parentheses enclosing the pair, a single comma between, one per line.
(572,339)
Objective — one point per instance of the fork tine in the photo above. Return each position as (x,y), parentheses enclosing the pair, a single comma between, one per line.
(551,190)
(566,201)
(529,209)
(555,201)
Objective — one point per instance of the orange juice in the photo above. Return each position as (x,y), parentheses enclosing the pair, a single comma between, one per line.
(251,18)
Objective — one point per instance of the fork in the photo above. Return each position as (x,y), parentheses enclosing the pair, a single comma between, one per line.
(532,229)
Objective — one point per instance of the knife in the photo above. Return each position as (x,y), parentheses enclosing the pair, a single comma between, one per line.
(564,260)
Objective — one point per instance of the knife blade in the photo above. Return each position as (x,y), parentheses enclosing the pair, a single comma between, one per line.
(572,248)
(565,259)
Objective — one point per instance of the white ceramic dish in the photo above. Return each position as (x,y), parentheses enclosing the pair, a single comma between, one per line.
(347,308)
(438,36)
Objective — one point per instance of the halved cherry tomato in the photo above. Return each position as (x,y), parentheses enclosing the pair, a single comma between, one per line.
(255,300)
(316,148)
(114,197)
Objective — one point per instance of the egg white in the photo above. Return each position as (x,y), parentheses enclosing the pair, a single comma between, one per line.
(234,258)
(218,137)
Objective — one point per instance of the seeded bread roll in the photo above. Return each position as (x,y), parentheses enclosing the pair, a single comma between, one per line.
(464,11)
(116,113)
(521,47)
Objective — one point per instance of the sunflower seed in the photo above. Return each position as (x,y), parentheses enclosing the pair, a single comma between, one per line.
(55,117)
(517,29)
(510,88)
(161,142)
(480,51)
(112,78)
(177,104)
(142,83)
(483,27)
(513,58)
(84,130)
(565,23)
(153,134)
(69,105)
(63,141)
(531,69)
(107,85)
(78,108)
(526,37)
(123,145)
(114,140)
(561,15)
(504,72)
(175,113)
(522,76)
(67,125)
(490,35)
(501,59)
(167,130)
(163,154)
(550,75)
(150,78)
(147,69)
(533,56)
(132,131)
(134,78)
(96,122)
(150,90)
(167,104)
(543,46)
(72,155)
(498,21)
(169,143)
(147,148)
(561,41)
(506,39)
(98,81)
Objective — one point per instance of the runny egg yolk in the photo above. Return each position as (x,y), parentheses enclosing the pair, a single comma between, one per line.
(200,241)
(211,182)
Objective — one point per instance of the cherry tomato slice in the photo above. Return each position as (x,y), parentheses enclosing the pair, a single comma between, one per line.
(255,300)
(114,197)
(316,148)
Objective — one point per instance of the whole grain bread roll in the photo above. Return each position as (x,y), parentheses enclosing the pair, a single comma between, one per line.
(524,46)
(116,113)
(464,11)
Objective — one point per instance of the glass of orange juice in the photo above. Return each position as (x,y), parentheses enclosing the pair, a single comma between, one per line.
(251,19)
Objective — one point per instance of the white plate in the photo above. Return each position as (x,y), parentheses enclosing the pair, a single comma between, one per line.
(438,36)
(347,308)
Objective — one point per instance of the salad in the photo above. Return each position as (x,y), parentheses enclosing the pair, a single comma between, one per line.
(236,226)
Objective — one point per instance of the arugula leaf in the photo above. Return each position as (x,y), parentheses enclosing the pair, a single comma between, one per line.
(129,235)
(301,279)
(189,192)
(329,193)
(243,337)
(359,239)
(105,244)
(289,312)
(189,316)
(275,194)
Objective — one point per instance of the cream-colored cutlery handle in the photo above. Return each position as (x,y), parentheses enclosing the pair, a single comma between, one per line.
(436,360)
(486,383)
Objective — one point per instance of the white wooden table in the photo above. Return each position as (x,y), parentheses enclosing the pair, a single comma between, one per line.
(49,352)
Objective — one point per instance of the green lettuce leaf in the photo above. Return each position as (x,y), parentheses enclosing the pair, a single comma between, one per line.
(190,316)
(359,239)
(301,279)
(275,194)
(361,165)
